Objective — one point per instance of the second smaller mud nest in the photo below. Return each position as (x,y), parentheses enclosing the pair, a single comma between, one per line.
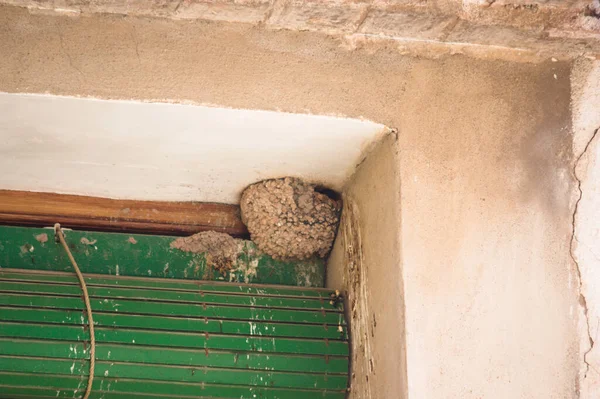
(289,220)
(221,249)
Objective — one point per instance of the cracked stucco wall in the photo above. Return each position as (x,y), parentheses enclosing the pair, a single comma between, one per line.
(491,292)
(481,260)
(586,229)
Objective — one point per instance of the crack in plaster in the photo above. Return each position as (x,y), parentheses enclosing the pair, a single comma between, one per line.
(135,42)
(582,299)
(269,12)
(449,29)
(363,17)
(177,6)
(65,52)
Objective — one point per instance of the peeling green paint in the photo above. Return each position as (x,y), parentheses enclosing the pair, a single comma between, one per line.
(147,256)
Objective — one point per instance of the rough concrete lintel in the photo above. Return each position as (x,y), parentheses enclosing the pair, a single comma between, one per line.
(414,30)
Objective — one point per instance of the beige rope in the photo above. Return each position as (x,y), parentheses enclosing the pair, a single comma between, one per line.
(88,307)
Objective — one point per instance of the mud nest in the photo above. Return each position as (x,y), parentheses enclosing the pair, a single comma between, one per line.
(221,250)
(289,220)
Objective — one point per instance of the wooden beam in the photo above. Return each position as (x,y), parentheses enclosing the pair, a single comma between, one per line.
(91,213)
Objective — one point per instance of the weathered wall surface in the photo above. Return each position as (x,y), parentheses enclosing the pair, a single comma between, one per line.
(367,245)
(484,157)
(585,246)
(517,29)
(491,291)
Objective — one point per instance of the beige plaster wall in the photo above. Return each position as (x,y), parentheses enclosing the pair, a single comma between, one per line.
(484,221)
(366,264)
(490,305)
(490,289)
(585,247)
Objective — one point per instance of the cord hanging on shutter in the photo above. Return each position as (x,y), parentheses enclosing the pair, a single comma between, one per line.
(61,237)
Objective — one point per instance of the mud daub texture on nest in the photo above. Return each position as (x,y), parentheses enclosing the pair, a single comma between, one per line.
(287,219)
(221,249)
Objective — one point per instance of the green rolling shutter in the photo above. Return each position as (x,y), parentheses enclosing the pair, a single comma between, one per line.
(158,338)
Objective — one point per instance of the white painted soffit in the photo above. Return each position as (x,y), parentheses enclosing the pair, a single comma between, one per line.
(170,152)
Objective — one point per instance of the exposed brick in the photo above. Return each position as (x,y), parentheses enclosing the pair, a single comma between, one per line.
(532,14)
(514,23)
(410,24)
(247,11)
(330,16)
(465,32)
(158,8)
(399,3)
(566,4)
(427,6)
(68,5)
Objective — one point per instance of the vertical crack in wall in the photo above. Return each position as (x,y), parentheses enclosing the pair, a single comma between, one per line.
(64,50)
(582,298)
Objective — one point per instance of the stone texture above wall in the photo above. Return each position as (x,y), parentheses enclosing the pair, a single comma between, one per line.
(520,27)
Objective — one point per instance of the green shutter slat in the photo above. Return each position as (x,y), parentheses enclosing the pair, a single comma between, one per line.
(173,356)
(173,309)
(11,392)
(201,325)
(76,385)
(43,348)
(167,296)
(172,339)
(47,394)
(254,378)
(172,284)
